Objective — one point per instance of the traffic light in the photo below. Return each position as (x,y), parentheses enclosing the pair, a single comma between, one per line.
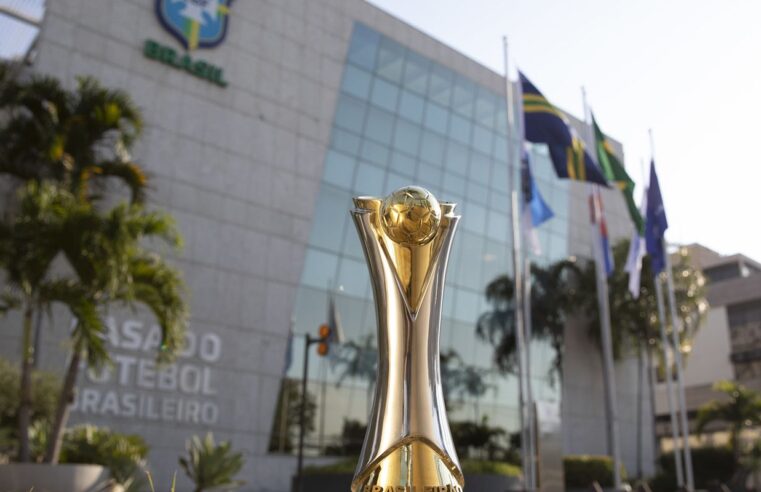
(324,334)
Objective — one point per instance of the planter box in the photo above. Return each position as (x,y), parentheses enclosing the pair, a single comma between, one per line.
(321,482)
(23,477)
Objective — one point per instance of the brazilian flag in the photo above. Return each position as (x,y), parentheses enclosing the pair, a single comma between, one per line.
(542,123)
(614,171)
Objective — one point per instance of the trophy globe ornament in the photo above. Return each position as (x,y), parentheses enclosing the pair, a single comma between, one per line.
(406,238)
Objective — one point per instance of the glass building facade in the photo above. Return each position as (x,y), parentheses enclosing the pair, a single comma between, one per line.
(403,119)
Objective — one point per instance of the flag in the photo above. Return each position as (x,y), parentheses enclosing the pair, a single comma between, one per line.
(288,353)
(615,172)
(597,217)
(542,123)
(637,249)
(336,336)
(655,223)
(535,209)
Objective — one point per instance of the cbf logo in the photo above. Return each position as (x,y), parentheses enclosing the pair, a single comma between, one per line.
(195,23)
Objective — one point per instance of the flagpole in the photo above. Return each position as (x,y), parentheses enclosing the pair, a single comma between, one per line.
(605,329)
(517,287)
(667,348)
(669,383)
(529,390)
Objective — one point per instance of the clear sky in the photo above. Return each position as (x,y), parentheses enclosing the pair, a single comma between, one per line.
(690,70)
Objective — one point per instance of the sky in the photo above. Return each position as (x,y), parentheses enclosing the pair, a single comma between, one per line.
(688,70)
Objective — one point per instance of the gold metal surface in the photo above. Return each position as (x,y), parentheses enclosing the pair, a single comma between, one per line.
(408,446)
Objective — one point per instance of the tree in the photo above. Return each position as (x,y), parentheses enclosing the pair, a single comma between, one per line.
(287,414)
(461,379)
(212,466)
(740,409)
(634,321)
(549,304)
(79,138)
(103,262)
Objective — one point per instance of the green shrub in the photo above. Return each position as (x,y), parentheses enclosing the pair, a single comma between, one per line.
(582,470)
(212,466)
(123,454)
(709,464)
(45,390)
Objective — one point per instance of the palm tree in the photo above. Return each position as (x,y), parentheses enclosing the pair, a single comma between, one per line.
(550,290)
(78,138)
(212,466)
(740,409)
(103,262)
(462,379)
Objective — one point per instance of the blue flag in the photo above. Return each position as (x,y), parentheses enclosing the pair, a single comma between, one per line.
(655,223)
(543,123)
(535,209)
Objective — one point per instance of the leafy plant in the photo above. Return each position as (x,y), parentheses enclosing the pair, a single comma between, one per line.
(582,470)
(479,439)
(210,465)
(352,438)
(287,414)
(123,454)
(740,409)
(473,467)
(710,465)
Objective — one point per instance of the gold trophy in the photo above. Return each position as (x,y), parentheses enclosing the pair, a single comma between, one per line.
(408,446)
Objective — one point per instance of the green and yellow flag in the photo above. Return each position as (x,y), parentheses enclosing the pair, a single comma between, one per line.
(615,173)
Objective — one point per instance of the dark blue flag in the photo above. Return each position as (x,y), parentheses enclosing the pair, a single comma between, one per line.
(543,123)
(655,223)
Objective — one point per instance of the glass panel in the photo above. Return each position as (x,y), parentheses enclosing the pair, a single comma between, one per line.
(380,125)
(482,139)
(454,183)
(385,94)
(457,158)
(436,117)
(477,193)
(474,218)
(407,137)
(403,164)
(345,141)
(353,278)
(460,129)
(479,168)
(339,169)
(363,46)
(411,106)
(356,82)
(486,105)
(350,113)
(391,60)
(331,205)
(463,97)
(416,73)
(430,175)
(374,152)
(440,85)
(319,268)
(432,148)
(369,180)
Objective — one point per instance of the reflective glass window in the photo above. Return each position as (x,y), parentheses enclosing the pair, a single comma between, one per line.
(457,157)
(432,148)
(390,60)
(411,106)
(416,73)
(482,139)
(407,137)
(369,180)
(460,129)
(339,169)
(385,94)
(350,113)
(403,164)
(319,268)
(374,152)
(353,277)
(463,97)
(454,183)
(436,117)
(356,82)
(440,85)
(379,125)
(363,46)
(479,168)
(344,141)
(331,205)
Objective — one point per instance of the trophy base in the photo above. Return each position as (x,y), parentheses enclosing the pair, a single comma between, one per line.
(413,466)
